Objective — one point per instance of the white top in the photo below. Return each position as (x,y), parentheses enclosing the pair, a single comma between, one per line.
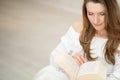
(70,44)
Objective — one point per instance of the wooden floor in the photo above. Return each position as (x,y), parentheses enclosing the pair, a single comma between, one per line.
(29,31)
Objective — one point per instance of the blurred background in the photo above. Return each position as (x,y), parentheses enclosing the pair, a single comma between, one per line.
(29,31)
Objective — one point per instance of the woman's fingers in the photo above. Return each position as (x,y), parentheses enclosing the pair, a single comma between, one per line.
(79,59)
(82,58)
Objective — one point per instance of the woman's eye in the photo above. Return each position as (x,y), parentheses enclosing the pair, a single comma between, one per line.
(102,14)
(90,13)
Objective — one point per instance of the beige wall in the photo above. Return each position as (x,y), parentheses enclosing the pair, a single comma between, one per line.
(29,31)
(69,5)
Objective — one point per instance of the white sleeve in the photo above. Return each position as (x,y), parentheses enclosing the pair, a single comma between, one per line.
(69,44)
(115,74)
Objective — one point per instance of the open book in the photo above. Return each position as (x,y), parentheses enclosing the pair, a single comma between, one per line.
(92,70)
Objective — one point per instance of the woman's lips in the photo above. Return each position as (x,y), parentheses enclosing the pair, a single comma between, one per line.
(97,24)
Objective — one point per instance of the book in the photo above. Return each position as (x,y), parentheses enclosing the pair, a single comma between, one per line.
(91,70)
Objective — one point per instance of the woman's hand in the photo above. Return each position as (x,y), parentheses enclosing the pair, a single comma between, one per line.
(79,59)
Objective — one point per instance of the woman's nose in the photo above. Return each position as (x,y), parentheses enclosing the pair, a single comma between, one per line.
(96,19)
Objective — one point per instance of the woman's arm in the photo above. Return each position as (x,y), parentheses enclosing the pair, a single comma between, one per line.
(115,74)
(69,42)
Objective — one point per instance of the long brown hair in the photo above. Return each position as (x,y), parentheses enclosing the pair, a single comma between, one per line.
(112,26)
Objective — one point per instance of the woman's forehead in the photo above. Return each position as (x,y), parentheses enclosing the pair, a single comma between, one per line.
(95,7)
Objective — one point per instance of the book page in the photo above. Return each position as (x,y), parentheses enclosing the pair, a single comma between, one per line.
(88,67)
(92,70)
(67,63)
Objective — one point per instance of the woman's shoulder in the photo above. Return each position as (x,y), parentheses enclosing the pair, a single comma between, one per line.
(78,25)
(74,30)
(119,48)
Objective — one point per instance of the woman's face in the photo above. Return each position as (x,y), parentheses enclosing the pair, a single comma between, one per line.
(96,15)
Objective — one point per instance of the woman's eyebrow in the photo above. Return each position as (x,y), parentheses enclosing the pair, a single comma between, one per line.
(98,12)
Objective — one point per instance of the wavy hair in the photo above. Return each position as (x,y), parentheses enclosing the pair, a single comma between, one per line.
(112,26)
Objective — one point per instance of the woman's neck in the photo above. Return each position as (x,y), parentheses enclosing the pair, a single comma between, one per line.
(102,34)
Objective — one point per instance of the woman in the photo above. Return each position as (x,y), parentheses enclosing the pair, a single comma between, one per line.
(96,37)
